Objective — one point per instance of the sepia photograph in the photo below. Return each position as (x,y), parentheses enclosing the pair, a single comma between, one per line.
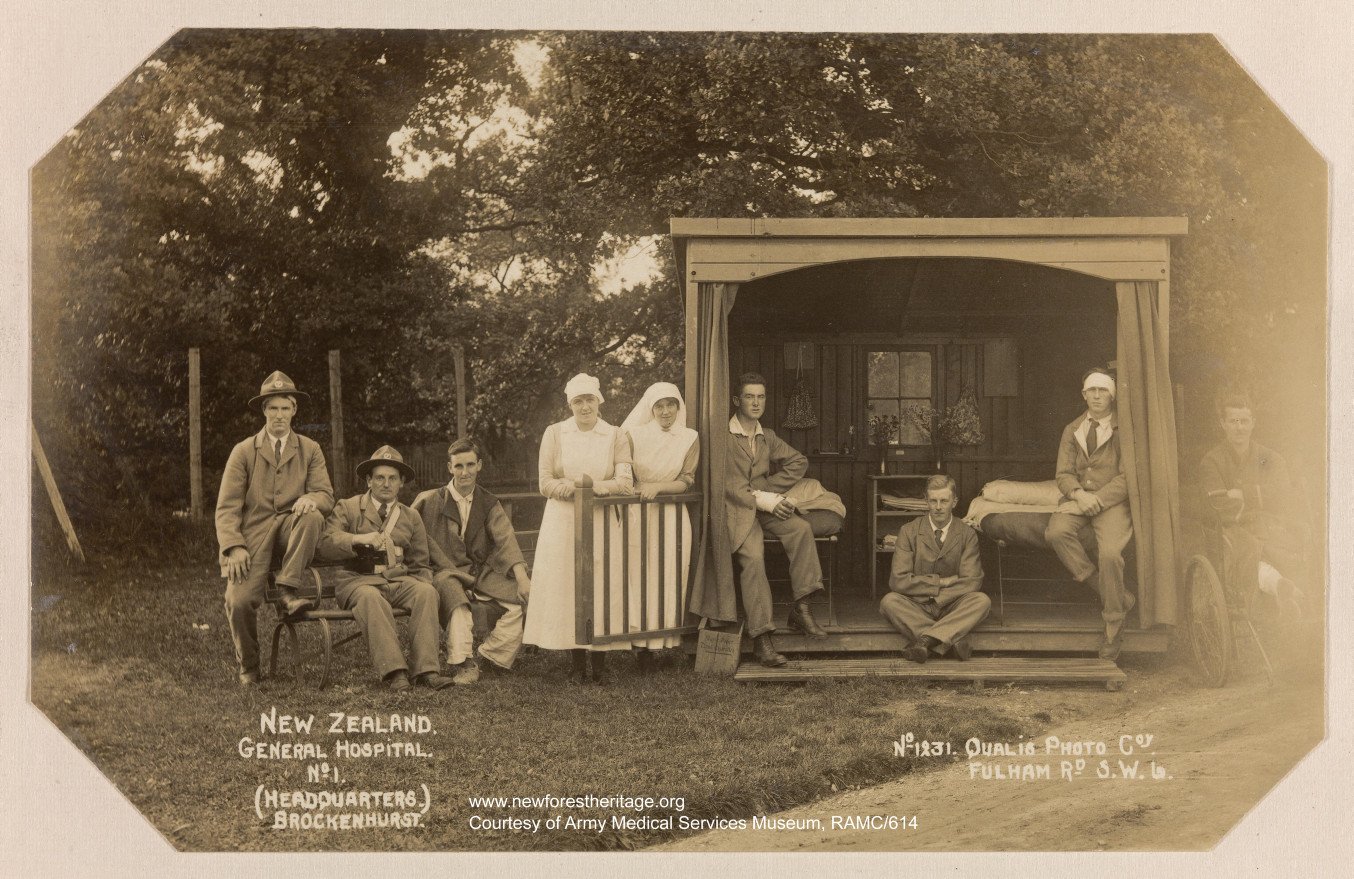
(621,438)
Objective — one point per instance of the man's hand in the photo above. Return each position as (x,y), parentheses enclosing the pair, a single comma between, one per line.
(523,590)
(374,539)
(237,564)
(1087,503)
(649,490)
(304,505)
(785,509)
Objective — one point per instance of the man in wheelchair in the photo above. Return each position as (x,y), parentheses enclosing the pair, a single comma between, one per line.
(1249,488)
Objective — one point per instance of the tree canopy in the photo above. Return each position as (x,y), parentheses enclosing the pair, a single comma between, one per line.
(269,195)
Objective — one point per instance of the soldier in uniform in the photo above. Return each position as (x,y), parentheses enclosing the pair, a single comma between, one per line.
(385,550)
(275,493)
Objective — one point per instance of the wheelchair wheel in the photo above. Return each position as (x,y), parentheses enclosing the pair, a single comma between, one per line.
(1210,624)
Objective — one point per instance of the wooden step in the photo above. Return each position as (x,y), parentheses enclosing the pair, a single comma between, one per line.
(981,669)
(884,638)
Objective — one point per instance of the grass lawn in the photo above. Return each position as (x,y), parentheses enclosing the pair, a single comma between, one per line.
(134,663)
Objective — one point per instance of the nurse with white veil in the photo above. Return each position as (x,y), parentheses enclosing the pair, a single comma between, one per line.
(664,452)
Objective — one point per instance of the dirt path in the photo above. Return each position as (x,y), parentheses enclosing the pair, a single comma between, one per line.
(1222,750)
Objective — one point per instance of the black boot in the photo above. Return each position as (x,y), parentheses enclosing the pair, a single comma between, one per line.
(578,666)
(801,618)
(766,652)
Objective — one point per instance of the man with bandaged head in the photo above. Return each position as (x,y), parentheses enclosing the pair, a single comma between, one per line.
(1091,478)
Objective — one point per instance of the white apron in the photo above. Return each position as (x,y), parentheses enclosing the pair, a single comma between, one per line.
(550,612)
(658,457)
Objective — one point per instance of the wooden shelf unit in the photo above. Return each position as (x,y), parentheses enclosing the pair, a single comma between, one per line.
(884,521)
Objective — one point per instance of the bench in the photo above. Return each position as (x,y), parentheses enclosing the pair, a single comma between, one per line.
(324,577)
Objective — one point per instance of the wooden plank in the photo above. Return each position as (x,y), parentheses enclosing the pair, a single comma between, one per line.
(816,251)
(54,494)
(195,434)
(1066,640)
(583,565)
(339,449)
(688,227)
(986,669)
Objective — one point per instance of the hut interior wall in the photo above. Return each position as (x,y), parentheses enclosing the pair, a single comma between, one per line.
(1059,323)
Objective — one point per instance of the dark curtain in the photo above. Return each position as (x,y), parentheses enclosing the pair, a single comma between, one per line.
(1146,410)
(712,595)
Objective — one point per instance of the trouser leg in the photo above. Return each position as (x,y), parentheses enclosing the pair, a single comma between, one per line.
(420,599)
(459,637)
(374,618)
(1113,529)
(911,618)
(959,617)
(753,585)
(450,597)
(502,645)
(1061,535)
(806,574)
(300,534)
(242,613)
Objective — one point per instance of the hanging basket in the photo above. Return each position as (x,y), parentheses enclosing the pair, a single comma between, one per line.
(802,413)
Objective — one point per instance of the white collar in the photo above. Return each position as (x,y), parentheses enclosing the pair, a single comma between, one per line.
(272,440)
(736,428)
(376,505)
(460,498)
(944,532)
(568,425)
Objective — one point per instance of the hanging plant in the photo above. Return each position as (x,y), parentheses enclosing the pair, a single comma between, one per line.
(962,426)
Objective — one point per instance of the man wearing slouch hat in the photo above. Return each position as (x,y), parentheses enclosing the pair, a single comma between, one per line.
(1091,478)
(275,493)
(384,548)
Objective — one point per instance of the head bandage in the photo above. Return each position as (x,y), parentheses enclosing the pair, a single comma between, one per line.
(582,385)
(1099,380)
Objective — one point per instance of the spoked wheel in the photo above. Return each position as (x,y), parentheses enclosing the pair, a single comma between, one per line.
(1210,625)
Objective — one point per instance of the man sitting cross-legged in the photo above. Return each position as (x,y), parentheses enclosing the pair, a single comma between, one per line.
(934,595)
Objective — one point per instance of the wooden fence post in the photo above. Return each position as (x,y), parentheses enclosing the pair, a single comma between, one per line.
(195,434)
(583,560)
(336,424)
(458,363)
(58,506)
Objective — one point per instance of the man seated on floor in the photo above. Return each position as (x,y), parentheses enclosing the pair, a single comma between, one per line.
(275,493)
(385,549)
(474,555)
(761,468)
(1250,489)
(935,596)
(1091,476)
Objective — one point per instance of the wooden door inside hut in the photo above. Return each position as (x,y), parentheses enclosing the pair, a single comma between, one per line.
(877,336)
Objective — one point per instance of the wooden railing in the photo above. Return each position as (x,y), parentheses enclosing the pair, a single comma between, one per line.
(626,587)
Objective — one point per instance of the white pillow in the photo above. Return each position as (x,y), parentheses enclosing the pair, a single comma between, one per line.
(1006,491)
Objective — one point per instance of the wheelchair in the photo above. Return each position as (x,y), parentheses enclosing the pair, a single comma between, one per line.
(1220,609)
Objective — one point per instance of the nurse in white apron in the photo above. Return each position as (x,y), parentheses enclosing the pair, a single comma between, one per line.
(578,446)
(665,453)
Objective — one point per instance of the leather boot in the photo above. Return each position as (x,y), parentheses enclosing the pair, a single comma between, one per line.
(766,652)
(578,666)
(801,618)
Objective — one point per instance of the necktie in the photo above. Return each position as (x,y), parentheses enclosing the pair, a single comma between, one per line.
(940,537)
(382,512)
(1091,441)
(277,452)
